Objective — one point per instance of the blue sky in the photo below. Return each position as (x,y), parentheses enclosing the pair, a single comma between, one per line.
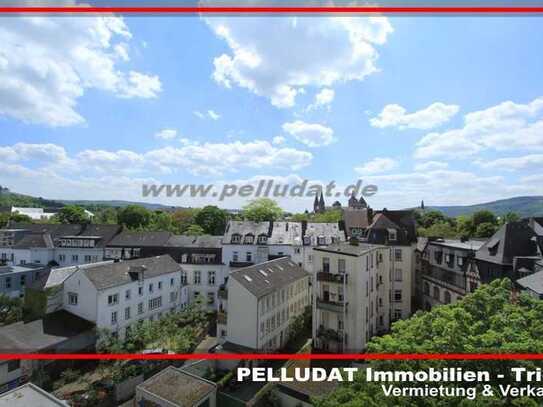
(445,109)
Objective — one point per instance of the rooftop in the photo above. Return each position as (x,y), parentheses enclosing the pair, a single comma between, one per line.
(29,395)
(534,282)
(458,244)
(42,334)
(511,240)
(141,239)
(244,228)
(21,269)
(204,241)
(178,387)
(267,277)
(112,274)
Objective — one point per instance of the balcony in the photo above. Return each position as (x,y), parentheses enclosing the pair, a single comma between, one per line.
(223,293)
(329,334)
(331,278)
(331,306)
(222,317)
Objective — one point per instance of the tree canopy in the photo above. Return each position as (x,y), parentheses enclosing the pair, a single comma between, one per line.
(134,216)
(72,214)
(212,220)
(490,320)
(262,210)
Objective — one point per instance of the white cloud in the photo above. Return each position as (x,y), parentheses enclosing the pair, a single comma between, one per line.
(166,134)
(27,152)
(322,99)
(210,114)
(278,140)
(377,165)
(431,166)
(276,58)
(310,134)
(47,63)
(514,163)
(507,126)
(428,118)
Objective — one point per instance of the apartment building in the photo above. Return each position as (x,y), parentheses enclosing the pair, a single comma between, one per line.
(262,302)
(444,268)
(14,279)
(352,297)
(115,295)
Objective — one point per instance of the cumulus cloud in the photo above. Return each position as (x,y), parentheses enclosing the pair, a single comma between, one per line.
(26,152)
(47,63)
(431,166)
(322,99)
(166,134)
(210,114)
(506,126)
(514,163)
(377,165)
(428,118)
(310,134)
(277,140)
(277,58)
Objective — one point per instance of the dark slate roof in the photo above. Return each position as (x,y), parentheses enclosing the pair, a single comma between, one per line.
(244,228)
(42,334)
(178,387)
(512,239)
(204,241)
(140,239)
(112,274)
(35,240)
(381,221)
(56,231)
(348,248)
(534,282)
(405,219)
(267,277)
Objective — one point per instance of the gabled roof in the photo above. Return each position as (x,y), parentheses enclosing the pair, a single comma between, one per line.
(140,239)
(35,240)
(267,277)
(286,233)
(112,274)
(355,218)
(244,228)
(381,221)
(512,239)
(403,218)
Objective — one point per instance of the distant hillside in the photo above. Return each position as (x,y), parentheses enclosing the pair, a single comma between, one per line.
(9,199)
(525,206)
(119,204)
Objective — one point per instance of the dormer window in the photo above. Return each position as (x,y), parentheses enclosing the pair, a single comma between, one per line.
(392,235)
(460,261)
(249,239)
(493,247)
(307,240)
(262,239)
(321,241)
(236,239)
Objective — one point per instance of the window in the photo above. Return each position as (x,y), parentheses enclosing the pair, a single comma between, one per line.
(392,236)
(127,313)
(211,298)
(397,295)
(62,257)
(140,308)
(87,258)
(210,278)
(436,293)
(426,288)
(171,282)
(183,278)
(8,282)
(113,317)
(321,241)
(197,277)
(341,265)
(325,265)
(155,303)
(398,275)
(75,258)
(397,314)
(398,254)
(14,365)
(160,285)
(72,298)
(236,238)
(151,289)
(173,296)
(447,297)
(235,256)
(249,256)
(140,291)
(262,239)
(249,239)
(460,261)
(23,280)
(113,299)
(307,240)
(127,294)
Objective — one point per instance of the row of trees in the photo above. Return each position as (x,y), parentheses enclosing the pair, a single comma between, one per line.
(491,320)
(481,224)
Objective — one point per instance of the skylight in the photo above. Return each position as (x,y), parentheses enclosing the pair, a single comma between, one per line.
(249,279)
(263,273)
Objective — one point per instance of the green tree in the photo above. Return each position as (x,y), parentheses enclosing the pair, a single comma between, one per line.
(484,216)
(212,220)
(184,218)
(194,230)
(330,216)
(509,217)
(485,229)
(72,214)
(107,216)
(262,210)
(134,217)
(431,217)
(161,221)
(486,321)
(440,229)
(19,218)
(464,226)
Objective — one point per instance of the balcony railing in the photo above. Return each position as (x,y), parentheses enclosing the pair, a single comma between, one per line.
(222,317)
(241,263)
(338,307)
(331,278)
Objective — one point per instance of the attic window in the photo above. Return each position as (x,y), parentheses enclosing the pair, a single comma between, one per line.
(392,235)
(493,246)
(263,273)
(249,239)
(236,238)
(262,239)
(321,240)
(279,267)
(249,279)
(307,240)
